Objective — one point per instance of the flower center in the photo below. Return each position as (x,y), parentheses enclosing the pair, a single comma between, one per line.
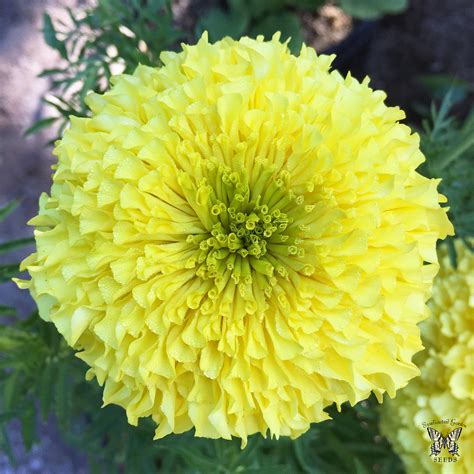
(245,233)
(251,225)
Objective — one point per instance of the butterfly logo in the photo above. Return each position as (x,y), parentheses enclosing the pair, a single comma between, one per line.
(448,441)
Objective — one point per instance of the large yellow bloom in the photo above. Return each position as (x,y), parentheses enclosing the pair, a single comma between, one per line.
(445,391)
(238,239)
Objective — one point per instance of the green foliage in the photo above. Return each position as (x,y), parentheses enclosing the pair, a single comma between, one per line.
(14,244)
(9,270)
(18,353)
(438,85)
(7,210)
(448,145)
(370,9)
(113,34)
(43,123)
(255,17)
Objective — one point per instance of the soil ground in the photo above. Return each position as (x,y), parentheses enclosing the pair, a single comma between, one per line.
(432,36)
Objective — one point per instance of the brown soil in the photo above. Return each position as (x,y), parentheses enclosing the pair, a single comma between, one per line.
(433,36)
(325,27)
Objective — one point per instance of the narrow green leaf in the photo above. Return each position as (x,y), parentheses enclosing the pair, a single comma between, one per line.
(50,37)
(7,210)
(457,150)
(6,416)
(73,17)
(51,143)
(50,72)
(359,467)
(28,427)
(45,390)
(10,389)
(60,108)
(6,447)
(6,310)
(14,244)
(452,253)
(89,83)
(299,447)
(192,457)
(368,9)
(440,84)
(276,468)
(12,338)
(246,454)
(39,125)
(336,446)
(62,392)
(7,272)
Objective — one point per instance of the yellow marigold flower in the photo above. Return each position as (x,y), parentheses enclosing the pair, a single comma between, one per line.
(238,239)
(445,391)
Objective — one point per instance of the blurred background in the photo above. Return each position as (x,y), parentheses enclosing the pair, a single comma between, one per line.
(54,52)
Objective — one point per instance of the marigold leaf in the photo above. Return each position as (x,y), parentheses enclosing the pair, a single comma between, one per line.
(10,389)
(5,446)
(7,272)
(40,125)
(28,426)
(7,311)
(62,392)
(369,9)
(14,244)
(6,416)
(8,209)
(46,389)
(50,37)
